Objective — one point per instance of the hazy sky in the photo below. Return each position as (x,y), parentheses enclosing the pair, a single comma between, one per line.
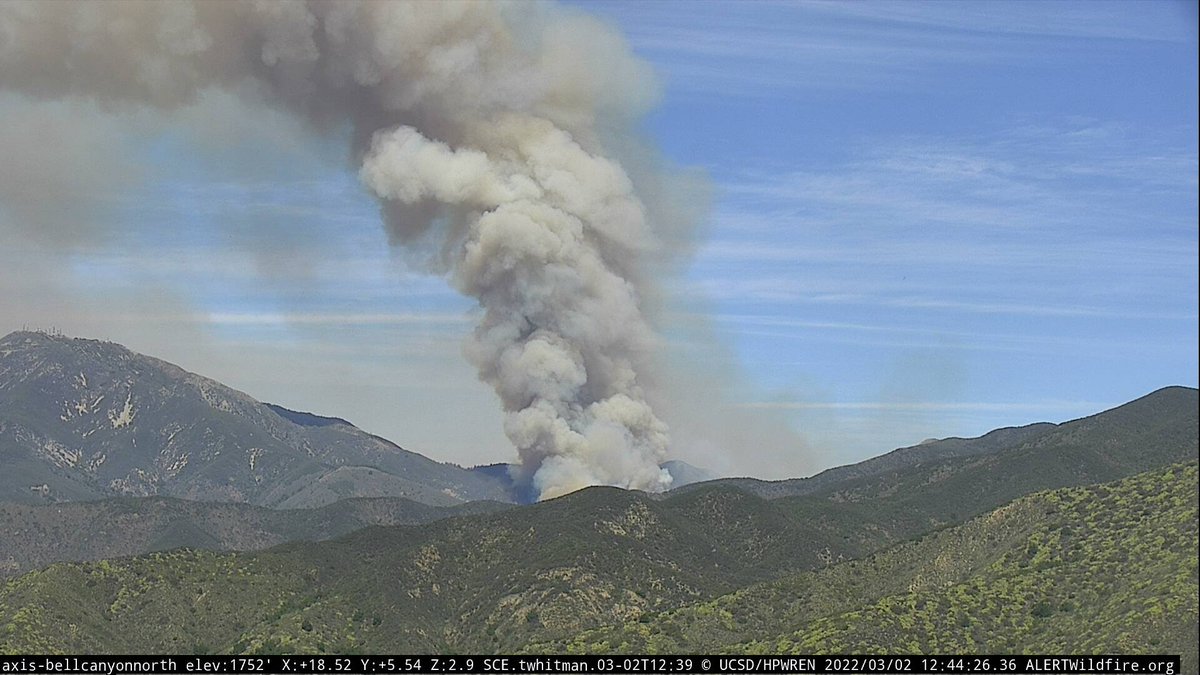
(928,219)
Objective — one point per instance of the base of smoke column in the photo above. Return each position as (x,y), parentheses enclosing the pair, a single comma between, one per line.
(523,492)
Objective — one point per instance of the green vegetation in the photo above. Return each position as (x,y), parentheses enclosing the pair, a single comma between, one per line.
(1077,570)
(35,536)
(924,549)
(1094,569)
(485,583)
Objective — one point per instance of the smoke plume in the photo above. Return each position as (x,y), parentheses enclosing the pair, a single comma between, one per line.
(495,136)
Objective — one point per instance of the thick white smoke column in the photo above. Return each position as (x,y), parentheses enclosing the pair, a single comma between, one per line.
(562,332)
(481,127)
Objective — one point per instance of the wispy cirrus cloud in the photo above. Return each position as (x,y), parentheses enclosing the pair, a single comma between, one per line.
(1168,255)
(1026,177)
(1006,225)
(926,406)
(891,335)
(782,291)
(1104,19)
(760,49)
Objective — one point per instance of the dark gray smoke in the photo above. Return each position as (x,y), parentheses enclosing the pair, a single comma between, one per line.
(496,135)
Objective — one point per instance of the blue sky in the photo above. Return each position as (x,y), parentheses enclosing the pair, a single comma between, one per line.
(942,216)
(929,219)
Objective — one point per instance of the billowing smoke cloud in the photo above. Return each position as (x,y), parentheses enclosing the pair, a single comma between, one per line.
(496,136)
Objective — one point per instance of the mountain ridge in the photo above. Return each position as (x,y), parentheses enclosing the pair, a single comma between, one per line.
(1031,577)
(82,419)
(952,448)
(33,536)
(603,558)
(482,577)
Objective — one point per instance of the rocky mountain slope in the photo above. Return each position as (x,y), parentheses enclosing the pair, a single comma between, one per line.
(84,419)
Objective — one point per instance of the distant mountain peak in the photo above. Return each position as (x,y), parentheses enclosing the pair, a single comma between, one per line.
(305,419)
(84,419)
(683,473)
